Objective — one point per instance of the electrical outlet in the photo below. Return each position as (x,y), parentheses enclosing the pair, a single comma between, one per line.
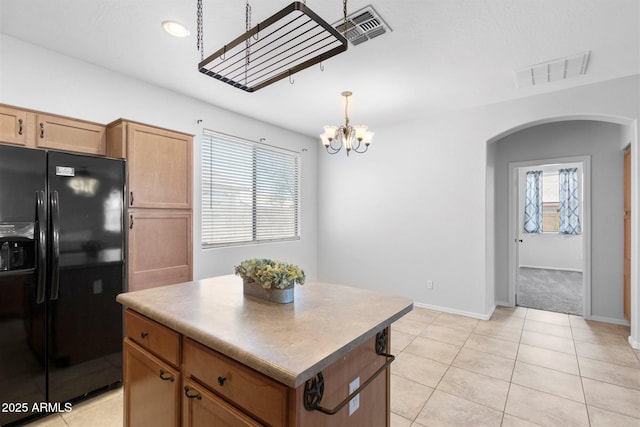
(354,403)
(429,284)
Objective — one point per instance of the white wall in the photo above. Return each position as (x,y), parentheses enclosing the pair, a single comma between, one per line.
(32,77)
(548,250)
(417,205)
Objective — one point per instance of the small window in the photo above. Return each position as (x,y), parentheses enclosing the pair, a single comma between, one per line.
(250,192)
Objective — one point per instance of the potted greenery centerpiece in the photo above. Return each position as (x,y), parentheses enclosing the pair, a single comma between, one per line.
(270,280)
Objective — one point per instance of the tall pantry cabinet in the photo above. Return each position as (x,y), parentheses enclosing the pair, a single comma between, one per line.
(160,206)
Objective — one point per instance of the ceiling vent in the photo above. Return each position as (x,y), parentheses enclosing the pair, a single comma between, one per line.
(362,25)
(553,71)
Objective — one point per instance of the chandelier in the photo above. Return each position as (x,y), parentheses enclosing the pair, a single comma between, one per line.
(356,138)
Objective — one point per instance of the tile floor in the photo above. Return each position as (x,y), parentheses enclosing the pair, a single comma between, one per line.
(104,410)
(524,367)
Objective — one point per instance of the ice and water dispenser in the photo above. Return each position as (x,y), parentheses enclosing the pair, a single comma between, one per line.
(17,246)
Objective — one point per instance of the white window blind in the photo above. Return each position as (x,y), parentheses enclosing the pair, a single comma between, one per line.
(250,191)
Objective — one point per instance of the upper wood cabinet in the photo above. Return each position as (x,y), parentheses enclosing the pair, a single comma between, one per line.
(159,164)
(35,129)
(65,134)
(13,125)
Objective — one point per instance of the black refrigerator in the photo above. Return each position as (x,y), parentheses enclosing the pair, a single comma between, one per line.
(62,263)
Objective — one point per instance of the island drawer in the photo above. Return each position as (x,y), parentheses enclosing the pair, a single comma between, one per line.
(158,339)
(261,396)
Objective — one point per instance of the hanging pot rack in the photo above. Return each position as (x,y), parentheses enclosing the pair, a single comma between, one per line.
(291,40)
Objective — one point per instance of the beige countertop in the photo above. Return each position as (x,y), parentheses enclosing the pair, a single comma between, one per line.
(287,342)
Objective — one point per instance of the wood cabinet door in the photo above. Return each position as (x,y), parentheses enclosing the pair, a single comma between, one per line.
(151,389)
(13,125)
(159,167)
(160,250)
(64,134)
(201,408)
(627,234)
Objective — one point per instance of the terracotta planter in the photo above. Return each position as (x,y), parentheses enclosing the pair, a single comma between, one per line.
(280,296)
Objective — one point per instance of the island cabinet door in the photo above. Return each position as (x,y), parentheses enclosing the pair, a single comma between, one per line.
(201,408)
(151,389)
(371,408)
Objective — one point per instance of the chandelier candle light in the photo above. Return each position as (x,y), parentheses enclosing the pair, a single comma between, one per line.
(356,138)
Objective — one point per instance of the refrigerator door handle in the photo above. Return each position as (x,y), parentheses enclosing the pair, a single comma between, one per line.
(55,244)
(42,246)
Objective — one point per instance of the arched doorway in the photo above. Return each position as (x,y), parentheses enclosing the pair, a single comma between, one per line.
(498,221)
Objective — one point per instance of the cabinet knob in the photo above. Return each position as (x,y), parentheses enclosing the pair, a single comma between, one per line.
(191,396)
(221,381)
(143,335)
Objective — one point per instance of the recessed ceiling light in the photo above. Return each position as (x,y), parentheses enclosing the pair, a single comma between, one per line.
(176,29)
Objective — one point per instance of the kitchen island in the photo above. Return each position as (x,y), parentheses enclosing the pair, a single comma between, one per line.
(202,353)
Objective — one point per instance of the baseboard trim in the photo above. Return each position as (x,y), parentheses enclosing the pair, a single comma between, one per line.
(454,311)
(634,344)
(503,304)
(576,270)
(622,322)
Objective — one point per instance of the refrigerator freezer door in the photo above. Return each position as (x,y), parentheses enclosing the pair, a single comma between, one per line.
(22,320)
(86,196)
(22,173)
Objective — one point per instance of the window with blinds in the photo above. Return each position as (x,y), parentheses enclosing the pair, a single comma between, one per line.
(250,192)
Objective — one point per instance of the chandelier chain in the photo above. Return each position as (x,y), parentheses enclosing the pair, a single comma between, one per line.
(200,41)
